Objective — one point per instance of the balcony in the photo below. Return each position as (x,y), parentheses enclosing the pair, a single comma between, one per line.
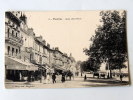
(14,55)
(13,39)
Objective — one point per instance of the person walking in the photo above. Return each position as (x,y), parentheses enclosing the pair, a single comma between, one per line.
(121,76)
(85,77)
(48,79)
(63,78)
(54,78)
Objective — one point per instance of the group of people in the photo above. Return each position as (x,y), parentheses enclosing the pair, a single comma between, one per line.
(55,78)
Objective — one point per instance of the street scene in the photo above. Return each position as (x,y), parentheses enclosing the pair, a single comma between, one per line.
(73,83)
(70,49)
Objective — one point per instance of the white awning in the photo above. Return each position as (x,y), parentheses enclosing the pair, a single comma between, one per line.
(17,64)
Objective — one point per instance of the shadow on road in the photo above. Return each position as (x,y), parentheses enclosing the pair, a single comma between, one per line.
(104,82)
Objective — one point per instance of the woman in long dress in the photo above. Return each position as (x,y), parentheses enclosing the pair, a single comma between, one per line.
(48,79)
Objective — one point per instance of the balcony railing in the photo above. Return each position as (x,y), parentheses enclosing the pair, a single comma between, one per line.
(13,38)
(18,56)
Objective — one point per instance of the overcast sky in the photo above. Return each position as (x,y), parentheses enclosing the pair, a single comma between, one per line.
(71,35)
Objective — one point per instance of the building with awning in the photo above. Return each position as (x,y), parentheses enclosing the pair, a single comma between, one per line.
(17,64)
(28,55)
(16,68)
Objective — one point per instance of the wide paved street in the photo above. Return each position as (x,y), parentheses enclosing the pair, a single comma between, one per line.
(76,83)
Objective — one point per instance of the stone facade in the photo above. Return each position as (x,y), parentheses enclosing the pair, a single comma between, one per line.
(22,43)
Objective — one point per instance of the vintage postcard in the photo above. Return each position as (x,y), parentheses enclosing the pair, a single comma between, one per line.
(66,49)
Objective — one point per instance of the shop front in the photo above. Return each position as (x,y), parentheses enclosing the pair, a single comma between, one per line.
(17,70)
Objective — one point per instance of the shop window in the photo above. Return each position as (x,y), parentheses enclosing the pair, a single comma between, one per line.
(8,50)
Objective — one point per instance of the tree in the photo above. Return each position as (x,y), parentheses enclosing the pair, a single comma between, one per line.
(89,65)
(109,42)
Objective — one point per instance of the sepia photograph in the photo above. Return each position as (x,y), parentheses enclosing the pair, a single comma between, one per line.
(66,49)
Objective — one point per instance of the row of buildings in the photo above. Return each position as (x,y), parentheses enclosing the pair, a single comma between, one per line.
(29,55)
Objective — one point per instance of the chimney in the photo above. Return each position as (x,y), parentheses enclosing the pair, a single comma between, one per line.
(23,18)
(44,42)
(40,37)
(56,48)
(70,54)
(48,45)
(30,30)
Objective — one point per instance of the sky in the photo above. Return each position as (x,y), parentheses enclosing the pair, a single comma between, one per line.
(69,30)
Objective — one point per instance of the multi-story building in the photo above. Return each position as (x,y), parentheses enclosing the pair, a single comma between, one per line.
(13,39)
(72,65)
(17,40)
(13,44)
(28,55)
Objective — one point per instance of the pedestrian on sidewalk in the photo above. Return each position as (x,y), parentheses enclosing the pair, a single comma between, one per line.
(63,78)
(48,78)
(54,78)
(85,77)
(121,76)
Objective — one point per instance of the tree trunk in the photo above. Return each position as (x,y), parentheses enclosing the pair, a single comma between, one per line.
(110,73)
(120,75)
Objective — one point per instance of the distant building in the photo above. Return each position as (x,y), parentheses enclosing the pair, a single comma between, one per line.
(73,65)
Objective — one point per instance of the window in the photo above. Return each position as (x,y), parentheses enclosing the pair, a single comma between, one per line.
(19,49)
(16,52)
(8,30)
(16,34)
(24,59)
(44,51)
(30,57)
(12,51)
(9,22)
(13,32)
(8,50)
